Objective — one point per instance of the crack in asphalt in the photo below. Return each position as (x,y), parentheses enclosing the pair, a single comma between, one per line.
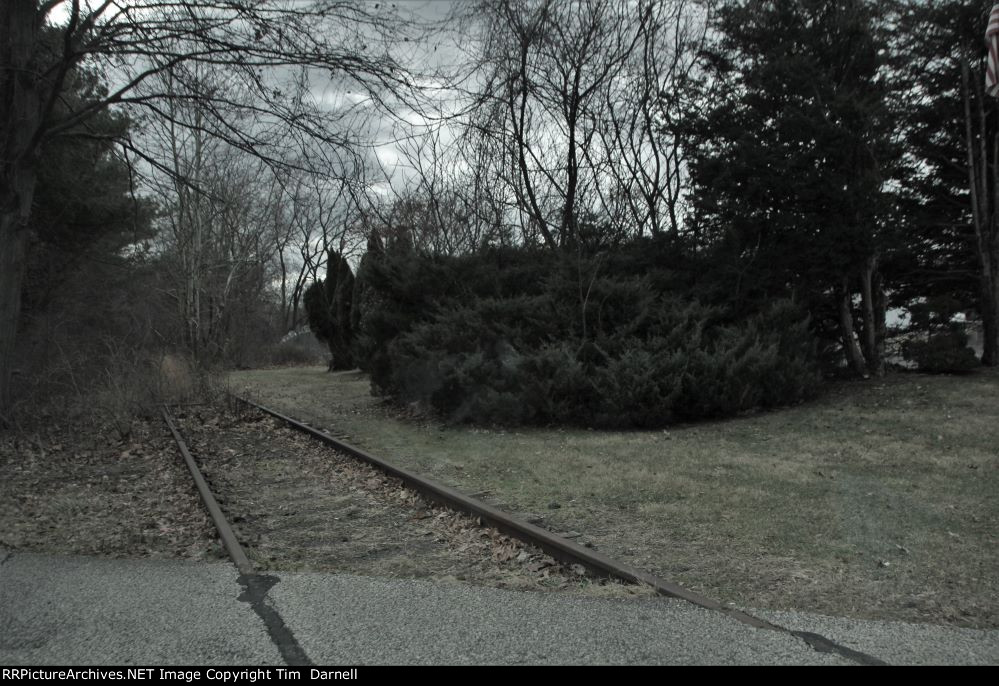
(821,644)
(255,589)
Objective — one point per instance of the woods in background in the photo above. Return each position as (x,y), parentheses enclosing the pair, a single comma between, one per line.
(615,214)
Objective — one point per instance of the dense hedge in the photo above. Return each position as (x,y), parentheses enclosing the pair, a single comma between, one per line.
(941,352)
(511,337)
(940,344)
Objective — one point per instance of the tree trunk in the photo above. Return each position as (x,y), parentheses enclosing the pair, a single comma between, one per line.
(873,342)
(880,315)
(990,320)
(21,100)
(984,219)
(851,349)
(17,191)
(13,249)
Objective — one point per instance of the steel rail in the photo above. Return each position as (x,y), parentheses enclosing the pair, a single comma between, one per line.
(226,533)
(560,548)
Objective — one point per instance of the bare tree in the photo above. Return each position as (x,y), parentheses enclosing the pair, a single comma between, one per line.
(217,217)
(643,109)
(983,184)
(441,192)
(580,100)
(285,206)
(343,45)
(310,214)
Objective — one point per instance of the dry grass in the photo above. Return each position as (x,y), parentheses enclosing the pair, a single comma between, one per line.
(878,500)
(89,467)
(80,488)
(297,504)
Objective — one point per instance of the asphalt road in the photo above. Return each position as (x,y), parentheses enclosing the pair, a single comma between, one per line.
(91,611)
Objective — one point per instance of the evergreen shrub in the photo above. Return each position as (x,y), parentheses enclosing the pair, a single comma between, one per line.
(464,338)
(942,352)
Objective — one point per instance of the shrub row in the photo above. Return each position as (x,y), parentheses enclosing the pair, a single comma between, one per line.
(513,338)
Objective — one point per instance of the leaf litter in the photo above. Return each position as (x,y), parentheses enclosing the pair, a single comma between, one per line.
(77,488)
(297,504)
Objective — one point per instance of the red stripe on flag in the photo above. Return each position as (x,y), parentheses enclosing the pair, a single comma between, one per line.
(992,62)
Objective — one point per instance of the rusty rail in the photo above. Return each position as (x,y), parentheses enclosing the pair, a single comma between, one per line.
(560,548)
(226,533)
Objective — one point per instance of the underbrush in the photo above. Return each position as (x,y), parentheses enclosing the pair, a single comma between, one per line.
(111,385)
(941,353)
(301,349)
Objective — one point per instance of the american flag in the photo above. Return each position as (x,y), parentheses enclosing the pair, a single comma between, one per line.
(992,41)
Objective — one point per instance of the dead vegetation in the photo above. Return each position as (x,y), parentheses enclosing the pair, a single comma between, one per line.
(108,480)
(88,466)
(876,501)
(83,489)
(298,504)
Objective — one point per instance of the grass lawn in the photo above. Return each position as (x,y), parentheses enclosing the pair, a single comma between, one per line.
(879,500)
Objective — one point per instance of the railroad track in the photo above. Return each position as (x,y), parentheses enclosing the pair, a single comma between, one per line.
(291,502)
(388,482)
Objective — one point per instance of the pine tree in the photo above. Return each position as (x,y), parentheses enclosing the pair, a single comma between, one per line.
(328,304)
(950,128)
(791,153)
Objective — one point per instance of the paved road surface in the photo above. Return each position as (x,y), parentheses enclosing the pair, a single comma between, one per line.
(78,610)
